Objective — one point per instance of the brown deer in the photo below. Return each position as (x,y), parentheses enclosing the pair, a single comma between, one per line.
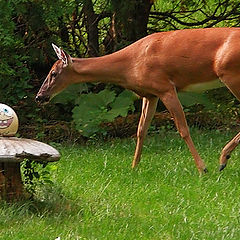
(157,67)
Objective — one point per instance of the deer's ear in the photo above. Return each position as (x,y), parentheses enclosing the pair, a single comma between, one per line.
(62,55)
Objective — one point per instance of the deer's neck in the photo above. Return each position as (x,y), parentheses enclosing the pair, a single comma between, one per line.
(109,69)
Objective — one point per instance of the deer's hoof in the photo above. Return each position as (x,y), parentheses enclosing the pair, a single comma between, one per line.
(205,170)
(222,166)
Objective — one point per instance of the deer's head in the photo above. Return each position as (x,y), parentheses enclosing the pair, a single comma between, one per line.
(56,79)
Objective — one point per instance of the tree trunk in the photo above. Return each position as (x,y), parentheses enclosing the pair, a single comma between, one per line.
(129,23)
(92,28)
(136,20)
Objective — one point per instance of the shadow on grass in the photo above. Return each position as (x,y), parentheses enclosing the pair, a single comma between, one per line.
(50,201)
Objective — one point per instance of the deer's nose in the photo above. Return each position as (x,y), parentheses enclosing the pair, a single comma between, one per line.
(41,99)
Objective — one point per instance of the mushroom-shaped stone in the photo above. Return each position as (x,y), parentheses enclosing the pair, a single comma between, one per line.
(14,150)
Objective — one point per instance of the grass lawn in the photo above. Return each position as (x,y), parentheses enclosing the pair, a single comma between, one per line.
(96,195)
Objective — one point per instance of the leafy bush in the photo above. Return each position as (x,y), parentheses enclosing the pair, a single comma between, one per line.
(14,74)
(36,174)
(189,99)
(95,108)
(216,108)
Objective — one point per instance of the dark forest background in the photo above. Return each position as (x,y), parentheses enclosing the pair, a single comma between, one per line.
(90,28)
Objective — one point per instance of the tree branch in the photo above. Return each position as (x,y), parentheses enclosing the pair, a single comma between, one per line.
(189,15)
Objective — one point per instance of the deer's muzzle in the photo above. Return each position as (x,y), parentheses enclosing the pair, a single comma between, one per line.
(41,99)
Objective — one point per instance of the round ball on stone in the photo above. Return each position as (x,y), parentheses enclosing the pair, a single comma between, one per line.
(8,121)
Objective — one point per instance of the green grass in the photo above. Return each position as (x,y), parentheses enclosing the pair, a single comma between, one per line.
(96,195)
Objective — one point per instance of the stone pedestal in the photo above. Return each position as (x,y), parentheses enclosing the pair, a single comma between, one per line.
(13,151)
(11,186)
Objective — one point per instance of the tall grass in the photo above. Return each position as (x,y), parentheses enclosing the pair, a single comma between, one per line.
(96,195)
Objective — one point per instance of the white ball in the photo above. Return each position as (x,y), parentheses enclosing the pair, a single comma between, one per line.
(8,121)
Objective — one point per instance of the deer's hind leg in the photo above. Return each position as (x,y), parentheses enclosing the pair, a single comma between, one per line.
(172,103)
(232,81)
(148,110)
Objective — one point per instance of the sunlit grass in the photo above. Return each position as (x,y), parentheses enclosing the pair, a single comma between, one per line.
(96,195)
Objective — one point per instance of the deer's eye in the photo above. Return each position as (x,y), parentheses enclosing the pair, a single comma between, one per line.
(53,74)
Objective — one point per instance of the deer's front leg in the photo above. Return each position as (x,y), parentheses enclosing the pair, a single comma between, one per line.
(172,103)
(148,109)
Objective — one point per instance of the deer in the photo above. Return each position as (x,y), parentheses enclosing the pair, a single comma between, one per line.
(159,66)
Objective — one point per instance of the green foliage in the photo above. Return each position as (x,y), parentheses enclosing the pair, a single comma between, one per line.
(14,73)
(70,94)
(27,29)
(226,106)
(36,174)
(189,99)
(93,109)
